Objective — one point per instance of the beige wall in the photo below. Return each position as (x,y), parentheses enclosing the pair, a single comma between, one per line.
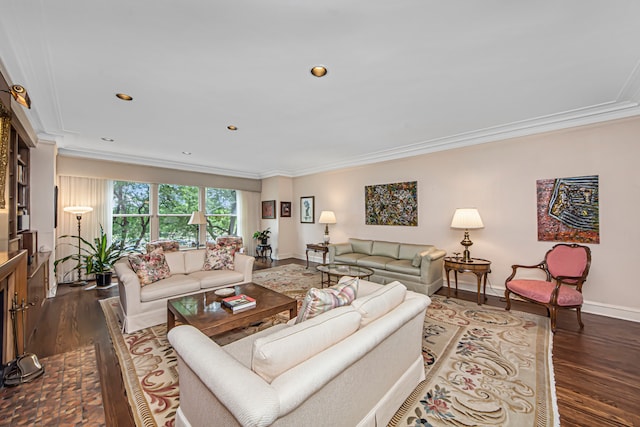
(72,166)
(499,179)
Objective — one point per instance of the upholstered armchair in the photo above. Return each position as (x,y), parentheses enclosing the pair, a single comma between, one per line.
(566,267)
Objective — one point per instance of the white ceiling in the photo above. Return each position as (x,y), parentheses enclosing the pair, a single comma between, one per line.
(405,77)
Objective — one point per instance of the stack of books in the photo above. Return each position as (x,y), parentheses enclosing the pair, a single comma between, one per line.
(239,302)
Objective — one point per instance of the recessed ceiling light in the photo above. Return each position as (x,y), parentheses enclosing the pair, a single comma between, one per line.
(124,96)
(104,138)
(319,71)
(232,127)
(186,153)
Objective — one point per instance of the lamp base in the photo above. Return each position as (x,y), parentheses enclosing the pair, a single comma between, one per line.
(325,239)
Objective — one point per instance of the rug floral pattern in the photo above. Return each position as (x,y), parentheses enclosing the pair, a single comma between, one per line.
(484,366)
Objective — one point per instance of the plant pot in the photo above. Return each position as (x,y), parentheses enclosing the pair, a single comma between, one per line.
(263,241)
(103,279)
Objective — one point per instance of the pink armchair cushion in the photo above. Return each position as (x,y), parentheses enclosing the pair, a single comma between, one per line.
(567,261)
(540,290)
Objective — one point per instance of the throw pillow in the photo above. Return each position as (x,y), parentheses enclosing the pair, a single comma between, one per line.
(150,267)
(219,257)
(318,301)
(417,259)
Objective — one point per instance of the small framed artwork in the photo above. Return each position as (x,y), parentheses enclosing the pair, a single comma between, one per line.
(285,209)
(307,206)
(268,209)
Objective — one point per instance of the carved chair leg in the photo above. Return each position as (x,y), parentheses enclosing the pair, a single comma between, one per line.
(554,315)
(506,296)
(579,310)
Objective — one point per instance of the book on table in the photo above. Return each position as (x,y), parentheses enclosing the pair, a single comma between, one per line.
(239,302)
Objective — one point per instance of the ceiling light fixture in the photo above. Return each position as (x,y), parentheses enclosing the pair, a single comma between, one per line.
(319,71)
(105,139)
(186,153)
(232,127)
(20,94)
(124,96)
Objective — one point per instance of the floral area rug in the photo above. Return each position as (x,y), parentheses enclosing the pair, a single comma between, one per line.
(149,364)
(484,366)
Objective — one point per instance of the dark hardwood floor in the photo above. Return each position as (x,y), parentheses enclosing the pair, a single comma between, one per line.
(596,370)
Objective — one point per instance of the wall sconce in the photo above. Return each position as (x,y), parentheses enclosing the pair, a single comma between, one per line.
(466,219)
(327,217)
(20,94)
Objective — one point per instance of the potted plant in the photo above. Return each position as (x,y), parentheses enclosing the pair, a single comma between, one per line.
(97,257)
(262,236)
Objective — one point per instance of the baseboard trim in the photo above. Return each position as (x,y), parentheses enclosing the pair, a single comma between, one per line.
(591,307)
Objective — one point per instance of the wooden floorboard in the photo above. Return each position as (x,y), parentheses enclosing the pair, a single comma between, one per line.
(597,372)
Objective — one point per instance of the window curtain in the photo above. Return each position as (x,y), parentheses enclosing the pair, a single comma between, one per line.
(248,210)
(77,191)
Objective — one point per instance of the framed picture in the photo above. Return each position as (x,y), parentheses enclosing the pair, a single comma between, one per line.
(285,209)
(307,206)
(268,209)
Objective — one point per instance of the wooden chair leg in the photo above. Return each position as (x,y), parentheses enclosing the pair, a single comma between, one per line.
(506,296)
(553,311)
(579,310)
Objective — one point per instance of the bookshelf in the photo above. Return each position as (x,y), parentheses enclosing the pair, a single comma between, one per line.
(18,186)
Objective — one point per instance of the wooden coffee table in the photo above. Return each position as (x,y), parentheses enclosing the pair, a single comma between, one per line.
(199,310)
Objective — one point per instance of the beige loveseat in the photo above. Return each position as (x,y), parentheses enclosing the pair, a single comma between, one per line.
(419,267)
(351,366)
(141,307)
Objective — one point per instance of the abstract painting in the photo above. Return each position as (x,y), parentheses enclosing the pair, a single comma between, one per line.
(568,209)
(392,204)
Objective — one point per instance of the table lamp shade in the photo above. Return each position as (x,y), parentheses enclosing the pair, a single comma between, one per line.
(327,217)
(197,217)
(466,219)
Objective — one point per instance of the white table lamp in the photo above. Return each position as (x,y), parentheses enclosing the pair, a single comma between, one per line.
(466,219)
(327,217)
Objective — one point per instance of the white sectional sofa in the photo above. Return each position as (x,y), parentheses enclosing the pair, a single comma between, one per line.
(419,267)
(351,366)
(141,307)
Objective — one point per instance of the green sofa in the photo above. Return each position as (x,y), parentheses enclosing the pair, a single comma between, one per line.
(418,267)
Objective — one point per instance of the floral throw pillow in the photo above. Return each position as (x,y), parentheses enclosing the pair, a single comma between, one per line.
(150,267)
(219,257)
(318,301)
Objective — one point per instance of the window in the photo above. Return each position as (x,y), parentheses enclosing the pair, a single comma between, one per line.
(131,213)
(175,205)
(147,212)
(221,212)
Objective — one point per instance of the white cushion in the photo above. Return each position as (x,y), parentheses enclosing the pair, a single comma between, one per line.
(193,260)
(176,262)
(274,354)
(380,302)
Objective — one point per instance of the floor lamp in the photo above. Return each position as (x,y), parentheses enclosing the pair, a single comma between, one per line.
(78,211)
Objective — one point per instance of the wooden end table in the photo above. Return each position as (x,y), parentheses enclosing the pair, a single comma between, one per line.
(478,266)
(318,247)
(199,310)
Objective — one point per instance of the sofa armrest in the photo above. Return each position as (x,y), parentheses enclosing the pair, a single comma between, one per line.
(244,264)
(250,399)
(128,286)
(431,266)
